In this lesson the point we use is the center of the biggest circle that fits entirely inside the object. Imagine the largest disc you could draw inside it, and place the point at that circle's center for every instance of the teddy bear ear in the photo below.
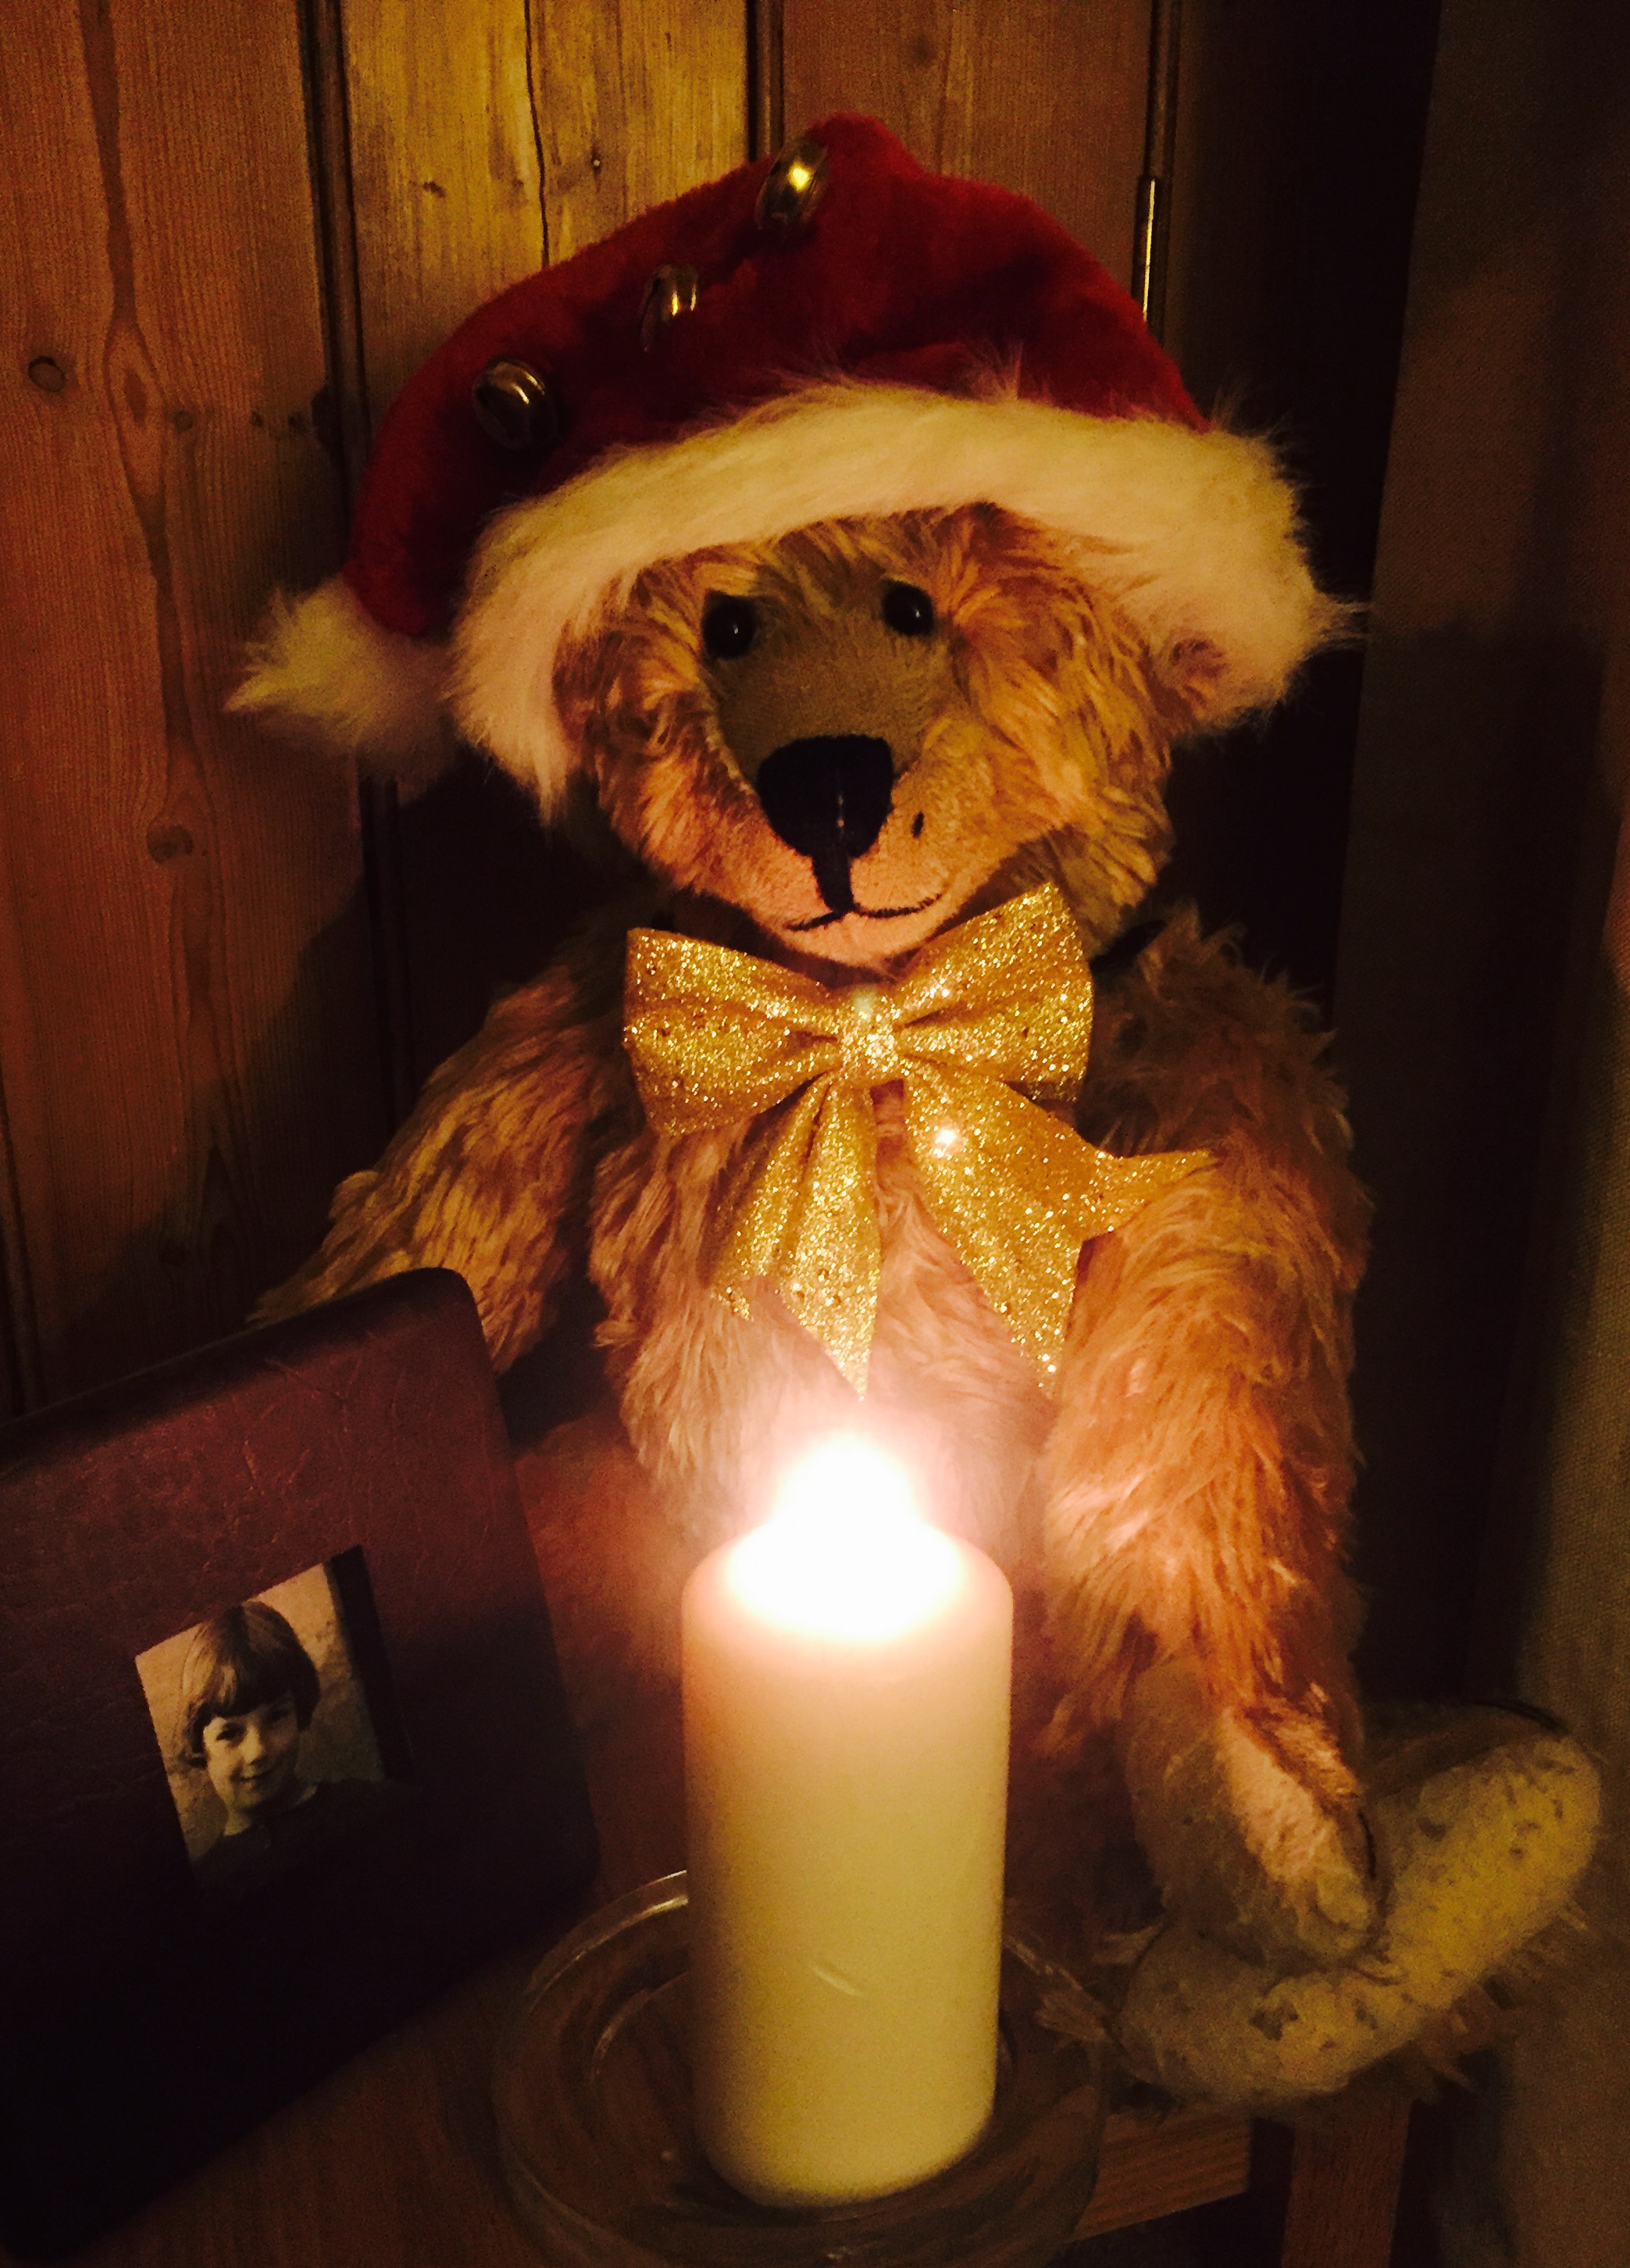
(1212, 684)
(1194, 672)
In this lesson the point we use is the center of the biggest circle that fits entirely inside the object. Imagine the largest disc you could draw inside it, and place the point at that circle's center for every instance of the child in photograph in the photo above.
(248, 1691)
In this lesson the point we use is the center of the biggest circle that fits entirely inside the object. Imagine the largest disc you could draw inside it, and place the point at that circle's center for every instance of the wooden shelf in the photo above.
(1154, 2166)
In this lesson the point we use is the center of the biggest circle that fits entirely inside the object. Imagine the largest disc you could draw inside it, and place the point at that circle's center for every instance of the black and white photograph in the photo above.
(268, 1739)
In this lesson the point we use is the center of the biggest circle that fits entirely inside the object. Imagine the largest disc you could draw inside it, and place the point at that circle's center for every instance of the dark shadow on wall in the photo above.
(1459, 994)
(1297, 167)
(264, 1160)
(487, 898)
(1259, 820)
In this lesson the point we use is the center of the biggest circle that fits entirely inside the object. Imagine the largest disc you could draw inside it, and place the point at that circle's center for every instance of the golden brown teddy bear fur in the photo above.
(1173, 1512)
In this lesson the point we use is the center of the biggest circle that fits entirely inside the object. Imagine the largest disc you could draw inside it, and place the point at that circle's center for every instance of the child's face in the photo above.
(251, 1757)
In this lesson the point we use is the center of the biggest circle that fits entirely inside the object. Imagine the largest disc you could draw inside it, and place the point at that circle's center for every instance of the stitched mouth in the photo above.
(866, 913)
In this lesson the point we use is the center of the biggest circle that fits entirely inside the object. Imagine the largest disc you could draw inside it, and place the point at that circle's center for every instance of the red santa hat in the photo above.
(839, 333)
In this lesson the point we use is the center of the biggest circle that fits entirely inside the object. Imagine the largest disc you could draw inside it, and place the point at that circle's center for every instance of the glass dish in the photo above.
(591, 2092)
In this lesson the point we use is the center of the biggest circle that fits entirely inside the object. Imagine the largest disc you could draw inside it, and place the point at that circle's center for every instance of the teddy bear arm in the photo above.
(489, 1175)
(1196, 1481)
(1196, 1472)
(1202, 1418)
(1197, 1477)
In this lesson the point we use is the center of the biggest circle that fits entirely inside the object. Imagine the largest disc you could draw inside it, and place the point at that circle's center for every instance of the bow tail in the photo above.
(804, 1219)
(1017, 1194)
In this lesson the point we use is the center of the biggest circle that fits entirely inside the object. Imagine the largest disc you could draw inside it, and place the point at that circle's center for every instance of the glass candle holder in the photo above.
(592, 2098)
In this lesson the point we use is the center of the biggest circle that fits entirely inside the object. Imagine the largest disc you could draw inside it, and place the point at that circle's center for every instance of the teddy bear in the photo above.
(839, 536)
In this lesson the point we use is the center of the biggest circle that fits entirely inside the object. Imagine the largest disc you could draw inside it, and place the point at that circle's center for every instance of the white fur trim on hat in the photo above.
(1194, 534)
(324, 670)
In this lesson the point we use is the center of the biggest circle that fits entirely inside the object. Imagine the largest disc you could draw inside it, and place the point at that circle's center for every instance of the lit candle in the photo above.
(847, 1674)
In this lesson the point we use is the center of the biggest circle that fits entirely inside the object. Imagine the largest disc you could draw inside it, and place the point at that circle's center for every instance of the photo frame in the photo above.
(155, 1999)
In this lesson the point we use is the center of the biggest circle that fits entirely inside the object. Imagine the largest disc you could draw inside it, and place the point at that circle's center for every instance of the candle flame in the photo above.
(846, 1554)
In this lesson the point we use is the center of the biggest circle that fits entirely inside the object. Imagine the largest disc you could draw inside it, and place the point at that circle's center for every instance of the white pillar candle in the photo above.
(847, 1679)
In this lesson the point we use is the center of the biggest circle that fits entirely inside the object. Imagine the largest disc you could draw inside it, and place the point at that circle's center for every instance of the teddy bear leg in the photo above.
(1486, 1822)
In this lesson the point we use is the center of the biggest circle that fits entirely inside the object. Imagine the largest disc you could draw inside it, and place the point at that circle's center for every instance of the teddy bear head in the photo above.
(858, 732)
(842, 528)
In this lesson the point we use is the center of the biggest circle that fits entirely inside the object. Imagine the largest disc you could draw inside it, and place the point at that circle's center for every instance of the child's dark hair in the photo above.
(242, 1660)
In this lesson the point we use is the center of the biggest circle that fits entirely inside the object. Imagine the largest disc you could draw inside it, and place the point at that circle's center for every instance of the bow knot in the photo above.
(990, 1024)
(870, 1052)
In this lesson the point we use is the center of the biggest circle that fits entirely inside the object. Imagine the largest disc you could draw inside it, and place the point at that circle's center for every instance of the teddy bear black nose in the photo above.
(828, 797)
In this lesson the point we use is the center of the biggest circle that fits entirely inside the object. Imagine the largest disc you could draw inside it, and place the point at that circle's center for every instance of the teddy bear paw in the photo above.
(1484, 1829)
(1244, 1850)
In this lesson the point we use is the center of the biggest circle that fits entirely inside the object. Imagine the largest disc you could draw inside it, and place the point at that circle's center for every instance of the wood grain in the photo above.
(446, 171)
(486, 136)
(185, 1040)
(637, 101)
(1151, 2167)
(1044, 96)
(1346, 2167)
(21, 1381)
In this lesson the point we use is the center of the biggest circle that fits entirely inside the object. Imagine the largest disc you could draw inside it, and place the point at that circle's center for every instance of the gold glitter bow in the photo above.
(996, 1010)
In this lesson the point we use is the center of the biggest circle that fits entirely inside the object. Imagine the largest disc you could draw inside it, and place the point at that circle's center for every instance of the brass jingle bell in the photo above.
(671, 293)
(794, 187)
(515, 406)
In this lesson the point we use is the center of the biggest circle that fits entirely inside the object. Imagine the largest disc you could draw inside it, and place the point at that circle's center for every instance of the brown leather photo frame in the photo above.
(147, 2018)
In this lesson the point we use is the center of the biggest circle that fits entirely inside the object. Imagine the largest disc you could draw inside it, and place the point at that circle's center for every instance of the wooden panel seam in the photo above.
(21, 1354)
(766, 98)
(1153, 240)
(349, 439)
(537, 127)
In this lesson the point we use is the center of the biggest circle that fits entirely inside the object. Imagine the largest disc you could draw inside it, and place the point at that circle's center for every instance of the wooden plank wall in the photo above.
(184, 1006)
(1042, 97)
(231, 229)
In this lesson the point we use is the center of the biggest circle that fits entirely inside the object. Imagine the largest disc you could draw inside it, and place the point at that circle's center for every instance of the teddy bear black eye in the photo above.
(728, 627)
(907, 610)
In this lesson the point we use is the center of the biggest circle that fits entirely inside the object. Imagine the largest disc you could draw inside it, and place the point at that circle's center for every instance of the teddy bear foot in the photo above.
(1483, 1854)
(1246, 1852)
